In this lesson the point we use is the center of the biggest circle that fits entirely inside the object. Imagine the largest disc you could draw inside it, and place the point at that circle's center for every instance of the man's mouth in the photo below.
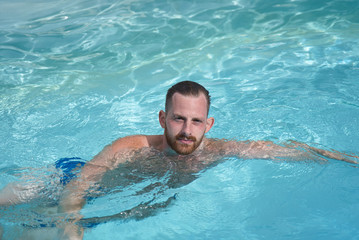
(185, 140)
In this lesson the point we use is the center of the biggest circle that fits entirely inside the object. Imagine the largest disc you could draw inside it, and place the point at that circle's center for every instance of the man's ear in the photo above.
(209, 123)
(162, 118)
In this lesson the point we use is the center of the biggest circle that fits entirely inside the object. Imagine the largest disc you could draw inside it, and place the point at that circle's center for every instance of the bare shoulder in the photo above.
(135, 142)
(119, 151)
(130, 142)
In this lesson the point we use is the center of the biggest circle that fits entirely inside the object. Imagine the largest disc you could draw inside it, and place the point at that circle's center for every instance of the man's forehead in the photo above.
(184, 103)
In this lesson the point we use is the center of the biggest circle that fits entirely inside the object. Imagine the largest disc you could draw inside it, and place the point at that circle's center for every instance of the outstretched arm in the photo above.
(333, 154)
(289, 151)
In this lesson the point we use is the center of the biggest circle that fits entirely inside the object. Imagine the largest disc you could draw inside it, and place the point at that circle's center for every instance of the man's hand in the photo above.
(334, 154)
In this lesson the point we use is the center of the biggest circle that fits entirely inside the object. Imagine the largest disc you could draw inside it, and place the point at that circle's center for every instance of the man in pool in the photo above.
(185, 122)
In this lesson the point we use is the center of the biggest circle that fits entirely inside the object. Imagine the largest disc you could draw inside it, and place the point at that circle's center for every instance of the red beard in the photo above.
(182, 148)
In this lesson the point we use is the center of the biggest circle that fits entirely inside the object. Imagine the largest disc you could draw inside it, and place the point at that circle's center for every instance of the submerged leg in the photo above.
(16, 193)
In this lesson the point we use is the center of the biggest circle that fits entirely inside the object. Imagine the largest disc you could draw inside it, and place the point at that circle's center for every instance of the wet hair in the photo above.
(187, 88)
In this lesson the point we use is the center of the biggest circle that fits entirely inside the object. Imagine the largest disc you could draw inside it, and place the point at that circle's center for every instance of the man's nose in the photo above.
(186, 128)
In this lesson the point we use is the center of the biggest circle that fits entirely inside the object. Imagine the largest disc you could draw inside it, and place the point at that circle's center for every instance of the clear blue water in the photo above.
(75, 75)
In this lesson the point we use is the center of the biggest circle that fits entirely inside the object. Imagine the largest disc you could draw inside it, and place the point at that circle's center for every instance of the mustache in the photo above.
(186, 137)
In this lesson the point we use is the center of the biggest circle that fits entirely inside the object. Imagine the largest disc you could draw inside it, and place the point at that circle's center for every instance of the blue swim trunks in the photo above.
(70, 167)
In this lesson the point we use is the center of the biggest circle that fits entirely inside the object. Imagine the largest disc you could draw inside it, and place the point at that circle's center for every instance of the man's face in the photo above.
(186, 122)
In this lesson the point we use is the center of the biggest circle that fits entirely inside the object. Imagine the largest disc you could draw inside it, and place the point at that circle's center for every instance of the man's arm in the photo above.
(112, 155)
(289, 151)
(73, 198)
(333, 154)
(75, 192)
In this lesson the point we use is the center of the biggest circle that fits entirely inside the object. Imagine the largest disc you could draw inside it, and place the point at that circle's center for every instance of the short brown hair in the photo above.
(187, 88)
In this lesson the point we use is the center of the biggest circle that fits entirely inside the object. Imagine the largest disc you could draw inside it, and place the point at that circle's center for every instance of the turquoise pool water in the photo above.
(75, 75)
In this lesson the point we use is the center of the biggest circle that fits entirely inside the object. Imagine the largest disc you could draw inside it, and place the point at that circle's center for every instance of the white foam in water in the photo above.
(76, 75)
